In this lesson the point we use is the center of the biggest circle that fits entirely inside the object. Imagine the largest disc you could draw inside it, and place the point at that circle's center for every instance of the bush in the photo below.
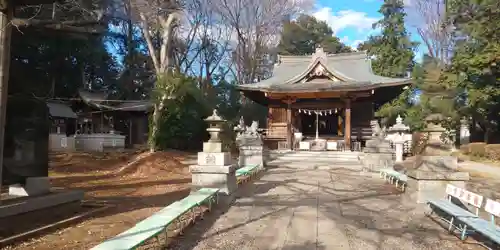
(493, 151)
(477, 149)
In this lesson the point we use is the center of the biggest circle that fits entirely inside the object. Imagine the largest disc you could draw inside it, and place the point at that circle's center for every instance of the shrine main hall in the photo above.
(321, 98)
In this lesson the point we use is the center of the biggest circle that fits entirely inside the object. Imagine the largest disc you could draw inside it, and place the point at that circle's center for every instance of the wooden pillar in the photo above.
(347, 122)
(289, 132)
(130, 132)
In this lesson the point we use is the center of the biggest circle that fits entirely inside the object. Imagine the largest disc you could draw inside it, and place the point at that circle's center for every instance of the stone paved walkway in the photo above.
(292, 209)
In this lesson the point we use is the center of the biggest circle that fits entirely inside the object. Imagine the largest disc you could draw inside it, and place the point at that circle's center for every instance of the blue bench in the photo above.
(156, 224)
(246, 171)
(454, 212)
(489, 229)
(394, 177)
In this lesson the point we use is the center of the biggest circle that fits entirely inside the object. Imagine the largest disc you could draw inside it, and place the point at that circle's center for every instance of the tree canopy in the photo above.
(392, 54)
(303, 35)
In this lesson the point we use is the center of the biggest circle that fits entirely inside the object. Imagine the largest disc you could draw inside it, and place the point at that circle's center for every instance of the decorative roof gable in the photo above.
(343, 71)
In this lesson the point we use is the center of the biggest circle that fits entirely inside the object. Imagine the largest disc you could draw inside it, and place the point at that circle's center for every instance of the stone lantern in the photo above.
(215, 126)
(215, 168)
(399, 139)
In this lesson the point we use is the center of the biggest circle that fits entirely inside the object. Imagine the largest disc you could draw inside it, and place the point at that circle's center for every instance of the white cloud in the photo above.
(354, 44)
(348, 19)
(345, 19)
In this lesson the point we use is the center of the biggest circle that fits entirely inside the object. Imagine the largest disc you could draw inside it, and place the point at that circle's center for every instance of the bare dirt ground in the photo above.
(135, 183)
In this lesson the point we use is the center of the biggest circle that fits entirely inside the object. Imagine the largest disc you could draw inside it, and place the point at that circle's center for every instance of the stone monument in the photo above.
(431, 171)
(215, 168)
(378, 153)
(250, 145)
(399, 139)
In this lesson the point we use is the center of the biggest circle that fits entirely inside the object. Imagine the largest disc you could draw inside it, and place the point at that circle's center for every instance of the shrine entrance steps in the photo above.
(316, 159)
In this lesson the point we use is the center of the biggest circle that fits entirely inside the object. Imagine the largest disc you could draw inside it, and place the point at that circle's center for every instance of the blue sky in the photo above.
(352, 20)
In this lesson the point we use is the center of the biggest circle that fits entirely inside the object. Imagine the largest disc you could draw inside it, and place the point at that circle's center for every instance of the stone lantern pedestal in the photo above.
(431, 171)
(250, 145)
(377, 153)
(215, 168)
(428, 176)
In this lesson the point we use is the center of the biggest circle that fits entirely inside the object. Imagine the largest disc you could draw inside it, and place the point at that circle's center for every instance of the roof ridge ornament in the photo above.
(319, 54)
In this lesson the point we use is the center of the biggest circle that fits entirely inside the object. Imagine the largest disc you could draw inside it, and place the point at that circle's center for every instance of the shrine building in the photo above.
(327, 97)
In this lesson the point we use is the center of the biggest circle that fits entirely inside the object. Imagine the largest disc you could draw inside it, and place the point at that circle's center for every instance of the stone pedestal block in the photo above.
(373, 162)
(34, 186)
(428, 177)
(214, 158)
(436, 163)
(251, 155)
(421, 190)
(318, 145)
(222, 177)
(251, 149)
(304, 145)
(214, 147)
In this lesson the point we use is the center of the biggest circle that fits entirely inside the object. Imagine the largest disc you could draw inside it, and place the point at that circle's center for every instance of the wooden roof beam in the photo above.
(89, 27)
(33, 2)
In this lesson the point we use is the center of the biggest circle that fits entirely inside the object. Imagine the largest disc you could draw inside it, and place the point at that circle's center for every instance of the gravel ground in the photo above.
(292, 209)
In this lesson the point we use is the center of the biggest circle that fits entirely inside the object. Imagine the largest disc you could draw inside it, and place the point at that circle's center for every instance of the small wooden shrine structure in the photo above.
(98, 114)
(340, 88)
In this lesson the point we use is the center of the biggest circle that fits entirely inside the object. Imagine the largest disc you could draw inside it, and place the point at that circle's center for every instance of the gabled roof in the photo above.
(99, 100)
(62, 110)
(343, 71)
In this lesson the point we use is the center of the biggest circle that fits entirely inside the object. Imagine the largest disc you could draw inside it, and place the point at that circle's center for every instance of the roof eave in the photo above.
(333, 88)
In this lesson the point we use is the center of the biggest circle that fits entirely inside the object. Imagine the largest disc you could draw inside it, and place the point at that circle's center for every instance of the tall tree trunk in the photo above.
(5, 34)
(161, 62)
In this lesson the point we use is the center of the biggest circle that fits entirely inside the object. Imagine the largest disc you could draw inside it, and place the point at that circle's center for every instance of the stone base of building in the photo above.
(14, 206)
(34, 186)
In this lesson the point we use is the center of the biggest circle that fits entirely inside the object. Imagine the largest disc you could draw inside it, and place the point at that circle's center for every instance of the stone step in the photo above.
(316, 152)
(314, 161)
(318, 165)
(312, 156)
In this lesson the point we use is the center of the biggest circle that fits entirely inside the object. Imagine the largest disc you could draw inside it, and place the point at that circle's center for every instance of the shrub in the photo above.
(477, 149)
(493, 151)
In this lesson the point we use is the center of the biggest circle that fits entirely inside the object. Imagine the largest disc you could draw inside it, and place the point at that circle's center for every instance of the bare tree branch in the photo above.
(429, 17)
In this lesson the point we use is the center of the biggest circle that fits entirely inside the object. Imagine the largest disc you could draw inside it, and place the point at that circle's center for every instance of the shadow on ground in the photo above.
(366, 208)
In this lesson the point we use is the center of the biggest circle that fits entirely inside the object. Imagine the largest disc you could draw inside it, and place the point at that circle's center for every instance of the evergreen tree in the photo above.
(393, 54)
(304, 35)
(393, 49)
(476, 60)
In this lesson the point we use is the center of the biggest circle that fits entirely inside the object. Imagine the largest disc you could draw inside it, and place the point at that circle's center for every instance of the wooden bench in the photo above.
(154, 225)
(487, 228)
(245, 172)
(394, 177)
(453, 211)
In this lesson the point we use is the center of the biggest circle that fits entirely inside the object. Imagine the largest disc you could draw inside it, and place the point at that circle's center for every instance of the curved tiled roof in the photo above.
(99, 100)
(352, 69)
